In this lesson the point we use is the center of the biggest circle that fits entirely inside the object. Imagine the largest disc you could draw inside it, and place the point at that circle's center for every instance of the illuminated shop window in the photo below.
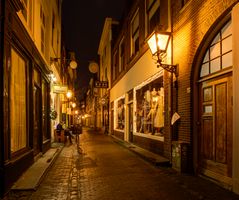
(18, 102)
(219, 53)
(150, 108)
(120, 114)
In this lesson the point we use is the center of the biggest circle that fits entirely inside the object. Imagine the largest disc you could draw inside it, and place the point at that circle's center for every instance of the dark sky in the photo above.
(83, 22)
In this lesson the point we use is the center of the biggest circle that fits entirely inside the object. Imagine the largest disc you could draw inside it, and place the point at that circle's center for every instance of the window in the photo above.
(153, 14)
(121, 55)
(150, 107)
(28, 13)
(18, 102)
(43, 30)
(120, 114)
(184, 2)
(115, 63)
(219, 53)
(135, 34)
(53, 29)
(44, 109)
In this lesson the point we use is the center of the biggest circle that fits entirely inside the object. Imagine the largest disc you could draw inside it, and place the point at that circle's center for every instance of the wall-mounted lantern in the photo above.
(158, 43)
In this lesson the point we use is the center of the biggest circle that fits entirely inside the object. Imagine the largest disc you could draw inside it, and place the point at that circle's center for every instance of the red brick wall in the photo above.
(190, 25)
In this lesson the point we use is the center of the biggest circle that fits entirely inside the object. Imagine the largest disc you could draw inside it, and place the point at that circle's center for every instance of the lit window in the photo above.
(18, 102)
(219, 53)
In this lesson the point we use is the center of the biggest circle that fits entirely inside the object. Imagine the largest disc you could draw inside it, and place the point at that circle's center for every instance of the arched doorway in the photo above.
(213, 107)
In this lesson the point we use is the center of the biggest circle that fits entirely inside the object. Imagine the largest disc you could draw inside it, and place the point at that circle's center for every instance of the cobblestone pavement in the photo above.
(104, 170)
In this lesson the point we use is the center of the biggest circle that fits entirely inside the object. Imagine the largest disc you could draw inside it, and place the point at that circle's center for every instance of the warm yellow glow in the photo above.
(73, 105)
(152, 44)
(73, 64)
(69, 94)
(76, 112)
(161, 42)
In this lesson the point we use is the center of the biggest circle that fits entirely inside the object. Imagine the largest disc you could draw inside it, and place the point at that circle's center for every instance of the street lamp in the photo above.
(158, 43)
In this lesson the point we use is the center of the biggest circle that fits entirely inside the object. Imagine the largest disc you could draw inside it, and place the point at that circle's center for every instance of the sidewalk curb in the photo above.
(31, 179)
(149, 156)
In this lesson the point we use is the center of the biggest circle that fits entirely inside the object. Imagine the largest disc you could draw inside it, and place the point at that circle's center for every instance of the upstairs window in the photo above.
(114, 65)
(153, 14)
(27, 13)
(184, 2)
(219, 53)
(135, 34)
(121, 55)
(43, 30)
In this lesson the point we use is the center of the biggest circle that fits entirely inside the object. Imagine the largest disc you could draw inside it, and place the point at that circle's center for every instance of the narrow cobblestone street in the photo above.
(104, 170)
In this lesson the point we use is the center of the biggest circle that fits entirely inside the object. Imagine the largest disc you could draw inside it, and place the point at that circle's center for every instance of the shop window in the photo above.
(219, 53)
(120, 114)
(18, 104)
(150, 108)
(135, 34)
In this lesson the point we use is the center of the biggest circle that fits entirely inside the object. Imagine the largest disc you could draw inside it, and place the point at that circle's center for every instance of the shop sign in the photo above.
(61, 89)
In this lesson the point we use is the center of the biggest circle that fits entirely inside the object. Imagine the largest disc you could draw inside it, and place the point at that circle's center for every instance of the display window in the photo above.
(150, 107)
(120, 114)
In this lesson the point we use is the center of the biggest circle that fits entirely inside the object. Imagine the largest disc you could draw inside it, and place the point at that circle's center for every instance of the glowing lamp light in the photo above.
(69, 94)
(158, 42)
(73, 64)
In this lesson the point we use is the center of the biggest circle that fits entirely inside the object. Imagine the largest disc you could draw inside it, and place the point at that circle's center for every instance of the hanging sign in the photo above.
(101, 84)
(61, 89)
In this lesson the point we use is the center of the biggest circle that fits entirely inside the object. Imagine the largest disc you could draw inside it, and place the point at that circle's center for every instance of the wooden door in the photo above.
(215, 138)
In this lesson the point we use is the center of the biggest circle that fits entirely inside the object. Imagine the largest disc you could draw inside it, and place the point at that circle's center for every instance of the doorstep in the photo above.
(32, 177)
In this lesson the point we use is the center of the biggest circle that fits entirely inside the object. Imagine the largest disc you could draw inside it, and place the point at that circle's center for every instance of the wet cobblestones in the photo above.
(104, 170)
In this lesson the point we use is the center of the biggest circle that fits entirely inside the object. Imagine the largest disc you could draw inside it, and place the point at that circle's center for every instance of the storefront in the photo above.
(139, 112)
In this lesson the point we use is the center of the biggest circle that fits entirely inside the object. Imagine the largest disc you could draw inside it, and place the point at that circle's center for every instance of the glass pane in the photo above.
(208, 109)
(206, 58)
(215, 51)
(215, 65)
(204, 70)
(226, 44)
(207, 94)
(18, 102)
(227, 60)
(227, 30)
(216, 39)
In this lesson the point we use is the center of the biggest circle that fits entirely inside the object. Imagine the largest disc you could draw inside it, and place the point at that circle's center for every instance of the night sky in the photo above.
(82, 22)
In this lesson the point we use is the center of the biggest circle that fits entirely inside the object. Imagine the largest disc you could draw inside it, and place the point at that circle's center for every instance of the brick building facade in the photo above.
(203, 45)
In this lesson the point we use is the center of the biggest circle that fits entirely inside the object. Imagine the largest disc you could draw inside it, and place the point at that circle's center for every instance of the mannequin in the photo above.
(159, 117)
